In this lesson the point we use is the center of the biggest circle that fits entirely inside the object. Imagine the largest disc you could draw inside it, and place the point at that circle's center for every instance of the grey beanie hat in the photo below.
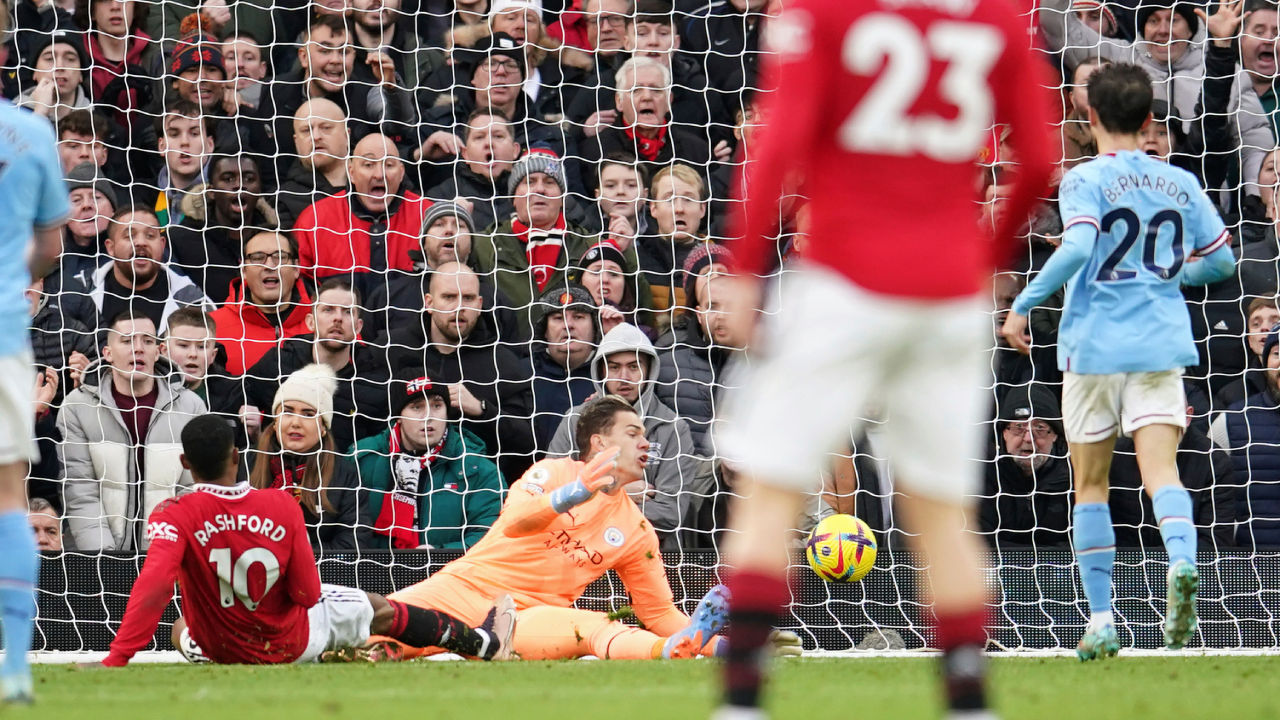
(446, 208)
(537, 160)
(86, 175)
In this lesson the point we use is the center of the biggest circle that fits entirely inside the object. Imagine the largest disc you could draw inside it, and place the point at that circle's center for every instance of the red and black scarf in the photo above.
(648, 148)
(398, 517)
(542, 248)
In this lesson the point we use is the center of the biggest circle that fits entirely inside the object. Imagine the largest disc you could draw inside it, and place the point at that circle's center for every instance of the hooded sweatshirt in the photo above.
(672, 466)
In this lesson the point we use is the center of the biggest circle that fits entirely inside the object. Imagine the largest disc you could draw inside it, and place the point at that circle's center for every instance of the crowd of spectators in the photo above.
(399, 248)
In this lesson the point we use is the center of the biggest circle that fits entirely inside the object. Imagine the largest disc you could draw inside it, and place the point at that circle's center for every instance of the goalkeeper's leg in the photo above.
(555, 633)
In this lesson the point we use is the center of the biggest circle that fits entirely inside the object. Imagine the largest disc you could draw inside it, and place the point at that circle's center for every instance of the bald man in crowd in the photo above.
(323, 140)
(488, 383)
(366, 235)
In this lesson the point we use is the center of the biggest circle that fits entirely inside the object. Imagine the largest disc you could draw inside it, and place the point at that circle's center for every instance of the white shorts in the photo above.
(17, 421)
(340, 620)
(1094, 407)
(830, 347)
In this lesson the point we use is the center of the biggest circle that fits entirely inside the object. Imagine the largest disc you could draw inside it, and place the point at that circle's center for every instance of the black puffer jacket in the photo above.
(55, 335)
(1021, 510)
(301, 189)
(491, 372)
(399, 302)
(360, 404)
(690, 377)
(489, 199)
(1204, 470)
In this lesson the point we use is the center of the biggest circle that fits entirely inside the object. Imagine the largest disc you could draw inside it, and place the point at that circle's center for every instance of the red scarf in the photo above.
(542, 248)
(648, 148)
(288, 478)
(399, 517)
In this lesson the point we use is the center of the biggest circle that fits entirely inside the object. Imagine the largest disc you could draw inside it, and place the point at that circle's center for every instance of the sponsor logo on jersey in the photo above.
(613, 536)
(161, 531)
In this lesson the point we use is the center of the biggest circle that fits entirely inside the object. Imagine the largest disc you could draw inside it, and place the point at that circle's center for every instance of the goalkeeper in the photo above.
(564, 525)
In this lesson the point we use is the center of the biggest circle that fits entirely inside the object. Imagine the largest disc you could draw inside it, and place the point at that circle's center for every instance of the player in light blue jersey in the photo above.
(1137, 229)
(33, 208)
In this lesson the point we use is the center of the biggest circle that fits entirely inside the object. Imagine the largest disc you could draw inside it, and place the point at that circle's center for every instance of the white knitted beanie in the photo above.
(313, 385)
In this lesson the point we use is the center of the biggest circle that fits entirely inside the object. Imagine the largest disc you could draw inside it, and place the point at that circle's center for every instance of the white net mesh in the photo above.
(297, 160)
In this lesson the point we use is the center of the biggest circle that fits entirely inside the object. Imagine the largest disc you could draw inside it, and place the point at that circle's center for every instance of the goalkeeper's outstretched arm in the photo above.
(531, 514)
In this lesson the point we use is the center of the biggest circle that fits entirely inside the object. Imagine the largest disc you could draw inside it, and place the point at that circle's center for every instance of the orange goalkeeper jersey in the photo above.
(554, 565)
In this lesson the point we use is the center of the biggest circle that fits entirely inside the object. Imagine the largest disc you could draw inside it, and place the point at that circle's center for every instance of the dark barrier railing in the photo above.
(82, 597)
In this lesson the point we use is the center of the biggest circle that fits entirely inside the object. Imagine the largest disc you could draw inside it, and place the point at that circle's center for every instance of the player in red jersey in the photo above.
(251, 592)
(878, 113)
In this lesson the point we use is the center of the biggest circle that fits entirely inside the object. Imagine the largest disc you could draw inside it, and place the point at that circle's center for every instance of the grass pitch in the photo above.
(810, 689)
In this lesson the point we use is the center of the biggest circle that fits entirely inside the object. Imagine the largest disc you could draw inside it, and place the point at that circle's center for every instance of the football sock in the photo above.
(962, 637)
(1172, 504)
(755, 608)
(421, 627)
(19, 564)
(1095, 540)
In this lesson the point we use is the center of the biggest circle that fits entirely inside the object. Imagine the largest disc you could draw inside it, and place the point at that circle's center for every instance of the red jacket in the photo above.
(571, 28)
(333, 240)
(247, 334)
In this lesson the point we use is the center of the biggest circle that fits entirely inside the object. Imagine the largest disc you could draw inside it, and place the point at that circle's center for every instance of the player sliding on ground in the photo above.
(565, 524)
(250, 589)
(1136, 229)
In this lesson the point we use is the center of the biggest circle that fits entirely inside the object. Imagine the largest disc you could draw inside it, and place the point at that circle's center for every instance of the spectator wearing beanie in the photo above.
(1028, 476)
(602, 271)
(296, 454)
(563, 344)
(529, 253)
(197, 73)
(697, 349)
(1163, 48)
(447, 236)
(53, 93)
(428, 481)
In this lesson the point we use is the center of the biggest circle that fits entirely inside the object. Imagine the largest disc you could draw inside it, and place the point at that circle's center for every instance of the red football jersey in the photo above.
(245, 568)
(878, 113)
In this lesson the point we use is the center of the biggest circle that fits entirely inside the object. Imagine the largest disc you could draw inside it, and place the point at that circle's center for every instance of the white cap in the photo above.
(505, 6)
(313, 385)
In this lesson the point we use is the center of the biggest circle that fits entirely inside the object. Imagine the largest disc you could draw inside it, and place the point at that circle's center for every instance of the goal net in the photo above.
(291, 168)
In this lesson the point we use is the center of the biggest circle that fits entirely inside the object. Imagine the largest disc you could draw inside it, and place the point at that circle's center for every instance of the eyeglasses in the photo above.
(275, 258)
(611, 19)
(494, 64)
(1039, 429)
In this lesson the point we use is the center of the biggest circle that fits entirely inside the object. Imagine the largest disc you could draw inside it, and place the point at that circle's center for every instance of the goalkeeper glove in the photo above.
(593, 477)
(783, 643)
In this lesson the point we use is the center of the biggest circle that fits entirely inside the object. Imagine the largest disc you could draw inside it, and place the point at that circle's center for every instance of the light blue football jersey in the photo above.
(1124, 309)
(33, 195)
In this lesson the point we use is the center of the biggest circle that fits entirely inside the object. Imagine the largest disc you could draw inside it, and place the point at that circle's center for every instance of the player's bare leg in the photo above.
(1095, 540)
(1157, 450)
(954, 582)
(19, 565)
(420, 627)
(757, 551)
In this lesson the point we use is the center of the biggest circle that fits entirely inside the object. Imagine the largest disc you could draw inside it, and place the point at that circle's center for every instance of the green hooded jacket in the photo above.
(460, 495)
